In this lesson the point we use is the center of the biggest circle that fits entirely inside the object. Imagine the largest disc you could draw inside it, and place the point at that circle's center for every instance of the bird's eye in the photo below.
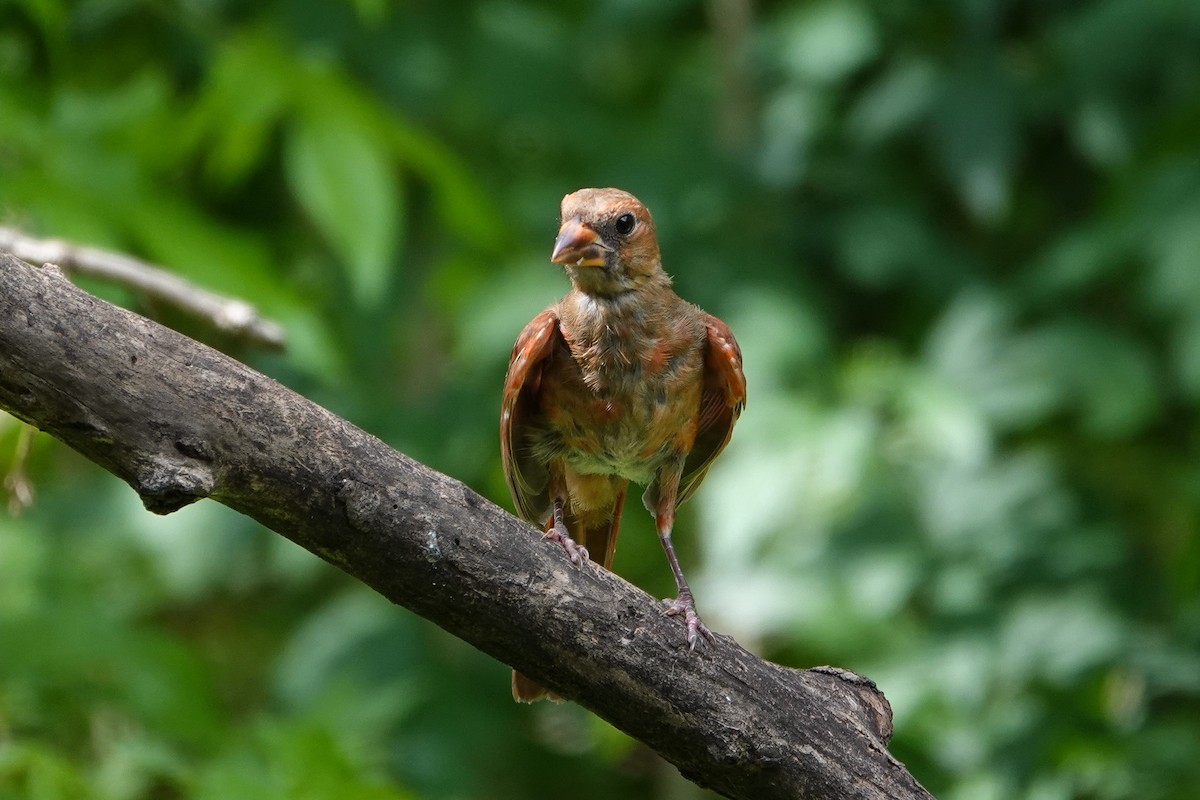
(625, 223)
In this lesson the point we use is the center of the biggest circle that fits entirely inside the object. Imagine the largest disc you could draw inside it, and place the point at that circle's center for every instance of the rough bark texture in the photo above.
(179, 422)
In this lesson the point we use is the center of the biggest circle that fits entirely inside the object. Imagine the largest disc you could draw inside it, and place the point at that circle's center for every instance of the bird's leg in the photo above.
(682, 605)
(556, 529)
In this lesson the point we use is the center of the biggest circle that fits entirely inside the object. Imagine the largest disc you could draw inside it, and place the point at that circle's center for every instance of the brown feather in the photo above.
(721, 403)
(525, 474)
(619, 381)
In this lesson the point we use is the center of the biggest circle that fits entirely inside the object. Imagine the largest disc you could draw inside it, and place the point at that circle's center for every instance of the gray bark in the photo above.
(179, 422)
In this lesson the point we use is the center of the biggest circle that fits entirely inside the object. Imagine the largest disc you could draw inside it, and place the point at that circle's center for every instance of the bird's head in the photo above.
(606, 242)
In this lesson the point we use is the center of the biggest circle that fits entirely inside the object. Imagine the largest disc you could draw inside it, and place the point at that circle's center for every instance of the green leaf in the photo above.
(975, 136)
(1108, 377)
(825, 42)
(461, 201)
(344, 179)
(1186, 352)
(32, 771)
(248, 88)
(894, 102)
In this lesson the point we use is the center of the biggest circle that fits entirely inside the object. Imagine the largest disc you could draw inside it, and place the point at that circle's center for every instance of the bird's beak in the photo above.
(578, 245)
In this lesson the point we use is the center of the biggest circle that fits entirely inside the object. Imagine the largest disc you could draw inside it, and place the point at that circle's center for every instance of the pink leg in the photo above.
(684, 604)
(556, 529)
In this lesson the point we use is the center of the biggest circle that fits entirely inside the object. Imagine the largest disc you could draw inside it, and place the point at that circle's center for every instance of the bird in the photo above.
(621, 380)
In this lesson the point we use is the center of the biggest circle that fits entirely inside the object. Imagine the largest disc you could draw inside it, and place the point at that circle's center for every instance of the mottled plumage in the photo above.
(621, 380)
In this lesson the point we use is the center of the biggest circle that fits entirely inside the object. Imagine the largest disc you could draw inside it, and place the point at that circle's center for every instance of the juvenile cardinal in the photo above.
(621, 380)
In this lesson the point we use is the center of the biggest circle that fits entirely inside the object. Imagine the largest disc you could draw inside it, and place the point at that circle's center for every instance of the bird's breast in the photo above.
(624, 409)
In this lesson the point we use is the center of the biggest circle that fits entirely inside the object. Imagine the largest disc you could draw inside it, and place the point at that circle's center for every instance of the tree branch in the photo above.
(179, 421)
(226, 314)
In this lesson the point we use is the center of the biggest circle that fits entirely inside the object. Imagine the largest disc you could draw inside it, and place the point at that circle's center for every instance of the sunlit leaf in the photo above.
(1110, 379)
(826, 41)
(791, 120)
(1058, 637)
(973, 347)
(1102, 133)
(243, 99)
(345, 180)
(895, 102)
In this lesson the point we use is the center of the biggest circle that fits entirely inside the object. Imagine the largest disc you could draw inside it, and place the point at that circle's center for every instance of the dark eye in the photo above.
(625, 223)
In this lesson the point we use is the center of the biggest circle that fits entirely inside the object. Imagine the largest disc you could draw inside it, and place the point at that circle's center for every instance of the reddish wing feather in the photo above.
(722, 401)
(526, 478)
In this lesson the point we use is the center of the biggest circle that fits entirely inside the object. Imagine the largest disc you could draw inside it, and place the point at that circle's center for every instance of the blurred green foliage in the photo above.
(959, 242)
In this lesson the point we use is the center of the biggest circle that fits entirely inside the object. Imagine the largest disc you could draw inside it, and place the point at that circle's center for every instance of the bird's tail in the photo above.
(598, 534)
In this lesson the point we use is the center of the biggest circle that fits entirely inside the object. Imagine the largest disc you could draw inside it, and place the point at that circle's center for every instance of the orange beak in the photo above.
(578, 245)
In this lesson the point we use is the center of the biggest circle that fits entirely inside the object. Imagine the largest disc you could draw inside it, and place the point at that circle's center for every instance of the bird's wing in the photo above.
(722, 400)
(527, 479)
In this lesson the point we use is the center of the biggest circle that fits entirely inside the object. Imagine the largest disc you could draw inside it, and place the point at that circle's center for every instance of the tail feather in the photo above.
(526, 690)
(597, 533)
(600, 536)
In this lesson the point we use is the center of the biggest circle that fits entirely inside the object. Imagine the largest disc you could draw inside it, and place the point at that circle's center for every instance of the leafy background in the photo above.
(959, 242)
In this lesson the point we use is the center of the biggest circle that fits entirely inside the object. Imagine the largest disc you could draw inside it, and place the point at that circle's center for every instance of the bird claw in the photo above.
(577, 553)
(685, 606)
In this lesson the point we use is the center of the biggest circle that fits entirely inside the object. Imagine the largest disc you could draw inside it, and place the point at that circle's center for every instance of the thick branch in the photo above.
(179, 421)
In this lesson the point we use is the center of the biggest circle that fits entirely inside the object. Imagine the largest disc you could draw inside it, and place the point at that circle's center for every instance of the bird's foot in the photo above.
(556, 529)
(685, 606)
(577, 553)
